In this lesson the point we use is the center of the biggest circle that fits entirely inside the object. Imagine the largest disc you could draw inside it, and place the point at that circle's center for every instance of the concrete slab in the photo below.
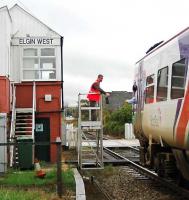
(80, 187)
(121, 143)
(115, 143)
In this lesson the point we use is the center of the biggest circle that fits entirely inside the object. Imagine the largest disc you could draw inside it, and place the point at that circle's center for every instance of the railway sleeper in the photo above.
(165, 165)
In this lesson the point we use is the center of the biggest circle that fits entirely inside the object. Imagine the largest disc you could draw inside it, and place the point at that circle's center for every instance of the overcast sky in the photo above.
(106, 36)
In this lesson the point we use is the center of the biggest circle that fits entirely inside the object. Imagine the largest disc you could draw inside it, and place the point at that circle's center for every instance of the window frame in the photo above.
(183, 77)
(150, 85)
(39, 69)
(158, 98)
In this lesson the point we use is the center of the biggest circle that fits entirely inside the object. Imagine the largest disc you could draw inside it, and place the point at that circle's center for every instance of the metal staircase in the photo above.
(22, 125)
(90, 135)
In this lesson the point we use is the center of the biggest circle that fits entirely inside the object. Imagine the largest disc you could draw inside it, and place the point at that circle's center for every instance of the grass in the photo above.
(68, 179)
(106, 172)
(12, 194)
(15, 184)
(27, 178)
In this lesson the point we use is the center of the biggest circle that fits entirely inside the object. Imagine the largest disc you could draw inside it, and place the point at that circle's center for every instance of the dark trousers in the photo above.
(93, 112)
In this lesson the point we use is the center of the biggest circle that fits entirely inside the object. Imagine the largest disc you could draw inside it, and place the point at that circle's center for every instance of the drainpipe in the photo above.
(61, 52)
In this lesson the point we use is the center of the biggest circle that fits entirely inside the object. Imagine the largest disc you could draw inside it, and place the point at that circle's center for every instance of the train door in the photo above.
(140, 97)
(42, 134)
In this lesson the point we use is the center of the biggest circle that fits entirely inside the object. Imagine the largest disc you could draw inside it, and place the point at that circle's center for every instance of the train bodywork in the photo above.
(161, 115)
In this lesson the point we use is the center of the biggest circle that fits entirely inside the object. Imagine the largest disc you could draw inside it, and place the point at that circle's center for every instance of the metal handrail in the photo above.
(13, 112)
(33, 109)
(13, 116)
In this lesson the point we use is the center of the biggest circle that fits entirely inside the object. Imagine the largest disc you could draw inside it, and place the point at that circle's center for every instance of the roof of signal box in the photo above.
(43, 24)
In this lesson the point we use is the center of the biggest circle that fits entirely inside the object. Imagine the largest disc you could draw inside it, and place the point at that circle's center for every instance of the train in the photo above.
(161, 112)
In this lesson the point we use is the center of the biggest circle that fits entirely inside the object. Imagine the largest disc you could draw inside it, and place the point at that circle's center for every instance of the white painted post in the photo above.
(129, 131)
(126, 131)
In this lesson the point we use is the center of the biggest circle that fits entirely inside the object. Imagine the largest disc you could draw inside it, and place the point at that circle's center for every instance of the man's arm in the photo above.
(97, 87)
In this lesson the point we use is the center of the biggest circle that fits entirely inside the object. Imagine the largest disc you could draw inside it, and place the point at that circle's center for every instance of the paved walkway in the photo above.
(121, 143)
(116, 143)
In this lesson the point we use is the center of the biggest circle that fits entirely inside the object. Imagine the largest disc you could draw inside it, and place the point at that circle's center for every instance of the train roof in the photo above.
(164, 43)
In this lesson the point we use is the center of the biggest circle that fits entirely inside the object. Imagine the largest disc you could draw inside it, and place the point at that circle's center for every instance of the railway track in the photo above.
(141, 173)
(131, 175)
(129, 152)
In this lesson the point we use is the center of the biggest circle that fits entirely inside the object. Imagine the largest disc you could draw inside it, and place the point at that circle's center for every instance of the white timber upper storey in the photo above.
(31, 50)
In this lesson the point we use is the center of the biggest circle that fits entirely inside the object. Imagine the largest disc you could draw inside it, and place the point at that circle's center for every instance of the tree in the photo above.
(114, 122)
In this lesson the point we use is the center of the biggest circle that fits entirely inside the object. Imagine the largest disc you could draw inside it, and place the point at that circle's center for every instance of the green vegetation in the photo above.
(13, 194)
(28, 178)
(24, 185)
(68, 179)
(114, 121)
(106, 172)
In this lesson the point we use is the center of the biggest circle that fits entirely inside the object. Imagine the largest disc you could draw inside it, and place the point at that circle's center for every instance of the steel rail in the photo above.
(152, 175)
(102, 190)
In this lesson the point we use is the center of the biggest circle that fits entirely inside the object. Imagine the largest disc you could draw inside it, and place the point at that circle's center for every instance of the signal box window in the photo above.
(162, 83)
(149, 89)
(178, 79)
(39, 64)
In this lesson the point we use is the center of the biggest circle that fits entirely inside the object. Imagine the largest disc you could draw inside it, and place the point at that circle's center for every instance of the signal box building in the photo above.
(31, 81)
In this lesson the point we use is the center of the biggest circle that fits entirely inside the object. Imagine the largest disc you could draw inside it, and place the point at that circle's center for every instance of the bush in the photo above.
(114, 123)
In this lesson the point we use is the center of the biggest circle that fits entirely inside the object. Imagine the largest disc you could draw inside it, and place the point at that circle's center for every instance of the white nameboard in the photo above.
(32, 41)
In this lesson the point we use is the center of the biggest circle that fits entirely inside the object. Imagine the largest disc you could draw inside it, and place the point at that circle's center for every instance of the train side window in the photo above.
(162, 84)
(149, 98)
(178, 79)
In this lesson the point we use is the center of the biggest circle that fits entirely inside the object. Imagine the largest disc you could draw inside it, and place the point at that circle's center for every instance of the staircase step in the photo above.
(23, 127)
(23, 123)
(22, 131)
(24, 134)
(24, 113)
(29, 136)
(24, 110)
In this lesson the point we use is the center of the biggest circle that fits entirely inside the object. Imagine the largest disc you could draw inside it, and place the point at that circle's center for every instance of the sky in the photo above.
(106, 36)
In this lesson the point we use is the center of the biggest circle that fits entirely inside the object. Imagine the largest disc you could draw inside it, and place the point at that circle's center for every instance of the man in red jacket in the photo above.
(94, 94)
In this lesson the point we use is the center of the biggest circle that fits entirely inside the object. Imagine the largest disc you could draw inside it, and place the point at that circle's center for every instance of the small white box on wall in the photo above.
(48, 97)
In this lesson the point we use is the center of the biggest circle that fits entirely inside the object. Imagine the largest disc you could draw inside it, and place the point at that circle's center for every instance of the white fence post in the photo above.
(71, 136)
(129, 131)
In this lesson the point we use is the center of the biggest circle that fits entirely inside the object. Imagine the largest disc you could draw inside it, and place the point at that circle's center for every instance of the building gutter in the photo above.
(62, 81)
